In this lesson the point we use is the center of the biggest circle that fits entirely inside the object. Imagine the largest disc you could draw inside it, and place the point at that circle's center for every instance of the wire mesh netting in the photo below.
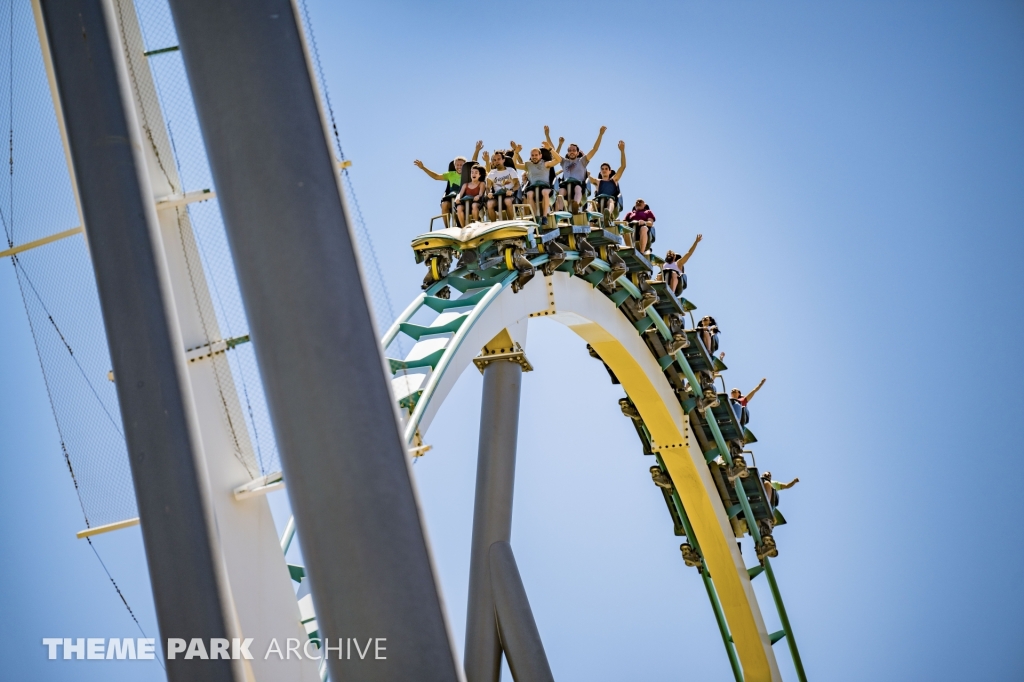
(169, 126)
(374, 277)
(57, 282)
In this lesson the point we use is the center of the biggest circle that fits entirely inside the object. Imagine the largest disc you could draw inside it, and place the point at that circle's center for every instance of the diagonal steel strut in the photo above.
(314, 337)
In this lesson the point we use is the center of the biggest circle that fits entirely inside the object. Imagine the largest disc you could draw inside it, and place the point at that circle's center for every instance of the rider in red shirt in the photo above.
(643, 219)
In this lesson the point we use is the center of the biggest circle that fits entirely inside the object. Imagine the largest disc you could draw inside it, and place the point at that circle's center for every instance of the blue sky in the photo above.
(856, 171)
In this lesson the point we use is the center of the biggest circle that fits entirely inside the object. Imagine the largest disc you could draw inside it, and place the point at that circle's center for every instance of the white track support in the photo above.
(261, 587)
(592, 315)
(259, 579)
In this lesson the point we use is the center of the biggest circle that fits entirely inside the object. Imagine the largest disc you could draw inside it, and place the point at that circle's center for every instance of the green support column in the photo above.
(756, 534)
(730, 649)
(705, 575)
(777, 596)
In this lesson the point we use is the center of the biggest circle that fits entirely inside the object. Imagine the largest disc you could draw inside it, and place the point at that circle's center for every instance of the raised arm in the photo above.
(555, 157)
(517, 161)
(597, 144)
(785, 486)
(547, 136)
(622, 161)
(686, 257)
(476, 150)
(561, 141)
(432, 174)
(487, 161)
(756, 389)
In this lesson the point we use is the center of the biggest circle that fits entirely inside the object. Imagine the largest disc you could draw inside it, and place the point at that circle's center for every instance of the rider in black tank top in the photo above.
(607, 185)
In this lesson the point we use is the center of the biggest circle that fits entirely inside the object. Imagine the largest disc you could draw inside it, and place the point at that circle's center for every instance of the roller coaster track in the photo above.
(488, 305)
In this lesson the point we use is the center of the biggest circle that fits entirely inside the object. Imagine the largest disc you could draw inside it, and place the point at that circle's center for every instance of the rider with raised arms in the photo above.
(574, 170)
(674, 269)
(538, 189)
(453, 177)
(606, 184)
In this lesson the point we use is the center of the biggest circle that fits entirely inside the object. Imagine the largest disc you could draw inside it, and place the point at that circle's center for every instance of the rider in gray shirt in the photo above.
(537, 176)
(574, 171)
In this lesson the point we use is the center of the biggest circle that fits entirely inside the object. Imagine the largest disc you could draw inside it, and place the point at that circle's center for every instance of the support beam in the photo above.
(519, 635)
(178, 200)
(784, 617)
(28, 246)
(289, 535)
(492, 512)
(261, 587)
(343, 457)
(107, 528)
(189, 585)
(723, 628)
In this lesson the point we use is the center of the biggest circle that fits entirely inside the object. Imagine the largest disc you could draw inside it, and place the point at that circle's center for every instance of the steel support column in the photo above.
(492, 512)
(189, 586)
(519, 635)
(314, 337)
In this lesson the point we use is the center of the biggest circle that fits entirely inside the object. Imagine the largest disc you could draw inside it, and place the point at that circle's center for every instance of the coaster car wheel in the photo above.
(587, 254)
(629, 409)
(661, 479)
(618, 266)
(514, 257)
(690, 556)
(438, 264)
(738, 469)
(556, 256)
